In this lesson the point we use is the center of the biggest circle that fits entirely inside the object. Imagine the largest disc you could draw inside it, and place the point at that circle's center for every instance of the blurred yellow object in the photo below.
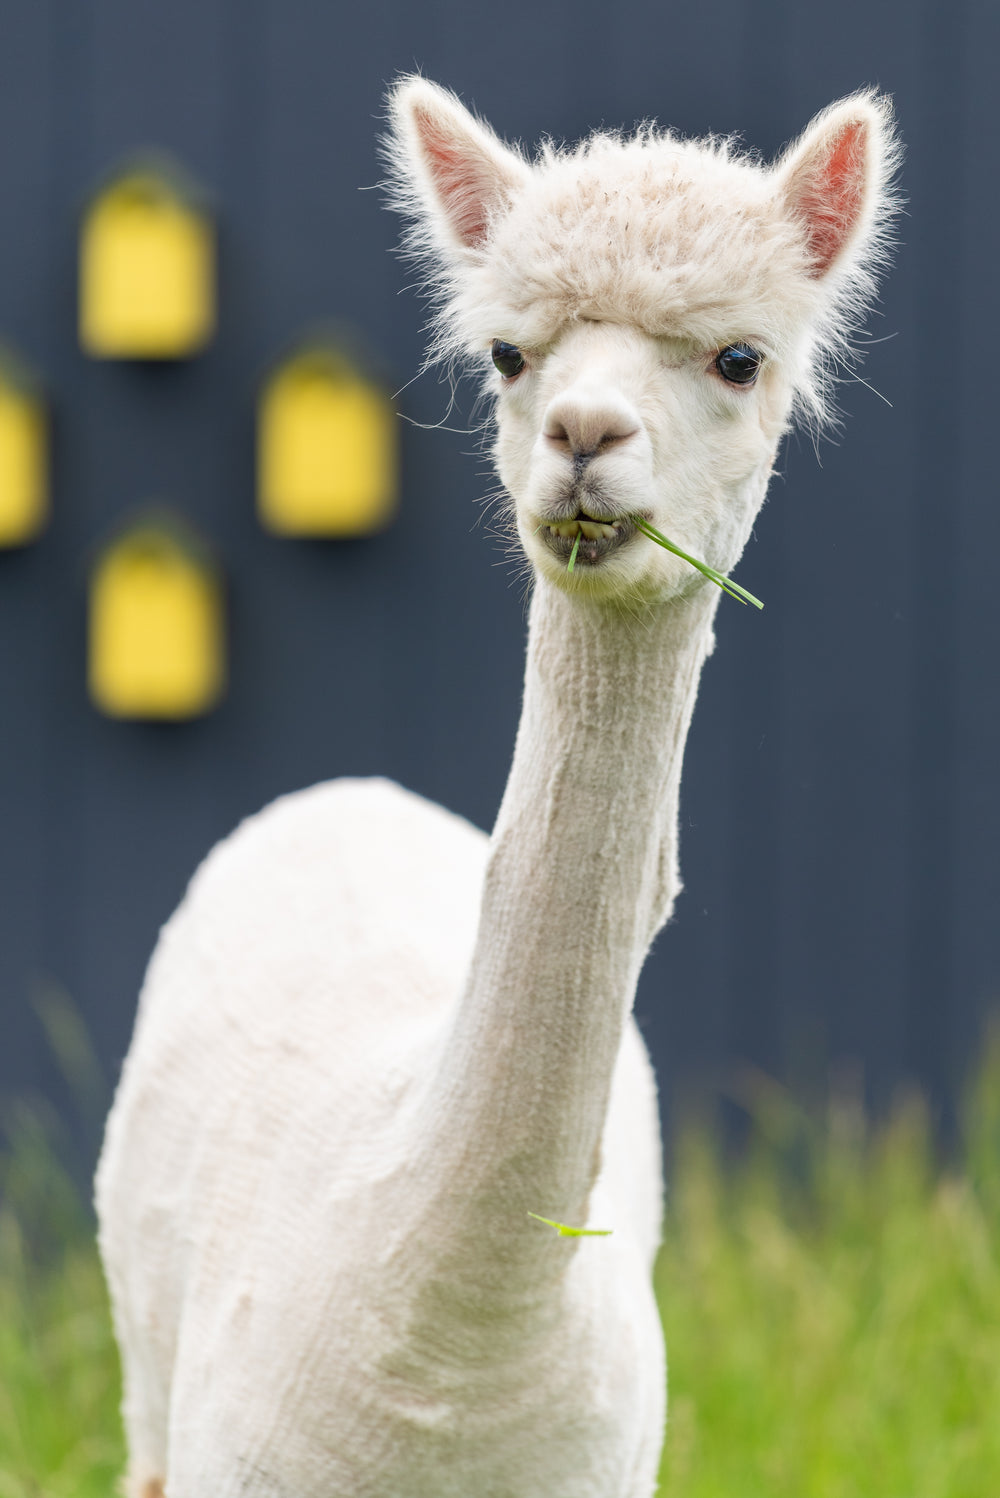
(147, 270)
(327, 462)
(24, 466)
(157, 635)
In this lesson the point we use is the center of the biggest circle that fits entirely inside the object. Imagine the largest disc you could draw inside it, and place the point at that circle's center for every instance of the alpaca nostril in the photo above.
(588, 428)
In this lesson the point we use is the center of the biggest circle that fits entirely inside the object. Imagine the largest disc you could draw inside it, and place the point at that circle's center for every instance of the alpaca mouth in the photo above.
(592, 540)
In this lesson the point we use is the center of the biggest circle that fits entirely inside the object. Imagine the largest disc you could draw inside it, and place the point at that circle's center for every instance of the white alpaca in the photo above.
(371, 1042)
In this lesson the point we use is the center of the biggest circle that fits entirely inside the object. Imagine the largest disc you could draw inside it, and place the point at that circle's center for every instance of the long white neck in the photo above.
(582, 872)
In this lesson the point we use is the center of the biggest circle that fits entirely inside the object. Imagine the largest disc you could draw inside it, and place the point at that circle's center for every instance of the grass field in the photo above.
(832, 1308)
(832, 1305)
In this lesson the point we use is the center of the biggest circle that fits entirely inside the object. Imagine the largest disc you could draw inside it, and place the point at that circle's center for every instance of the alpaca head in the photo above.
(649, 311)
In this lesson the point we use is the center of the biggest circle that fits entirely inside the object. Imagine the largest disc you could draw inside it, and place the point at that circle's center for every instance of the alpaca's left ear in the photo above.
(450, 170)
(834, 180)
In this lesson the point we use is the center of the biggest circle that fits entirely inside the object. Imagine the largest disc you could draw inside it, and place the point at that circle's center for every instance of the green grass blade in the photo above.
(572, 556)
(725, 583)
(567, 1232)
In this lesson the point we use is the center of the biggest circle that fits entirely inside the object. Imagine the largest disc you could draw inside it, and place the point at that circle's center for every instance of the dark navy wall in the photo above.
(840, 807)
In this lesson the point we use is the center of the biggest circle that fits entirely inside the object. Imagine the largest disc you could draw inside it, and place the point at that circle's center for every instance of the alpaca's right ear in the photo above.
(460, 174)
(835, 182)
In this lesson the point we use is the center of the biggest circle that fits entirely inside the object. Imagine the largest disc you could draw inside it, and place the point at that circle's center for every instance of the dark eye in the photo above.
(508, 359)
(739, 364)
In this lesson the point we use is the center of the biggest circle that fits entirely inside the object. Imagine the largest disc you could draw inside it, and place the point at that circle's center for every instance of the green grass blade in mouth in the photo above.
(572, 556)
(725, 583)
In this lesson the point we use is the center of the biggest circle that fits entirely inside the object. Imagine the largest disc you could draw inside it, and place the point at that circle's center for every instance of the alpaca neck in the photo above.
(582, 872)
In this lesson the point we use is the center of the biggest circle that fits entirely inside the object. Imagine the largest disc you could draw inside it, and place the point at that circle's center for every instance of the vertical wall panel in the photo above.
(843, 721)
(938, 205)
(972, 900)
(25, 274)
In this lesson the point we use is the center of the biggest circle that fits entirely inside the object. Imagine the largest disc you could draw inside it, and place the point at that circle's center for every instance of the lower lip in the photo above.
(589, 553)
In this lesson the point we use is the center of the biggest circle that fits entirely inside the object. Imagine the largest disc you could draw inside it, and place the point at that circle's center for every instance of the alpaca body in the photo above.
(372, 1044)
(311, 1079)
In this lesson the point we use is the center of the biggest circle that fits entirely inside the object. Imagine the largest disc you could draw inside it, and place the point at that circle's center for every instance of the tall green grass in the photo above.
(832, 1306)
(59, 1431)
(831, 1301)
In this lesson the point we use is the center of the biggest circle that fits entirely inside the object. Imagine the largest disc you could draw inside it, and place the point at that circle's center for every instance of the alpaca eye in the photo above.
(508, 359)
(739, 364)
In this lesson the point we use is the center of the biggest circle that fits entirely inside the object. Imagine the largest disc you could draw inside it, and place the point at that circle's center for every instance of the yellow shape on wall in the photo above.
(24, 467)
(147, 269)
(327, 450)
(157, 634)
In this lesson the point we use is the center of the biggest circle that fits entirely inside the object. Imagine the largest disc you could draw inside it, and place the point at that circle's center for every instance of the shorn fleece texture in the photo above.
(372, 1041)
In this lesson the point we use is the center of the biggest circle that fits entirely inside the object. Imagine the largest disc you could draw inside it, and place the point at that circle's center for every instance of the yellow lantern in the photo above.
(24, 476)
(157, 634)
(327, 450)
(147, 269)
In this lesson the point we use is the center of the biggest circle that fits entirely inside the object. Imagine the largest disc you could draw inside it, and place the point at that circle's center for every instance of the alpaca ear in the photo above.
(834, 180)
(461, 175)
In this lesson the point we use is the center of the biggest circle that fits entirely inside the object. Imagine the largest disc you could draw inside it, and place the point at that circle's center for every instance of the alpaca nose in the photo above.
(589, 422)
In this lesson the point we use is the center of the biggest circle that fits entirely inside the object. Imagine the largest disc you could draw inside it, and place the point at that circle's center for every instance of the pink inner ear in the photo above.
(831, 196)
(458, 182)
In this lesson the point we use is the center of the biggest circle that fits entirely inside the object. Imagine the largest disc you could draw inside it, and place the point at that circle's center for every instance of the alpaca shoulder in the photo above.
(298, 983)
(344, 894)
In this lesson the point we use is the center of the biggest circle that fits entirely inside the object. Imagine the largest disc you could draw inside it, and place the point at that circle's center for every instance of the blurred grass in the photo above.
(832, 1306)
(59, 1431)
(831, 1301)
